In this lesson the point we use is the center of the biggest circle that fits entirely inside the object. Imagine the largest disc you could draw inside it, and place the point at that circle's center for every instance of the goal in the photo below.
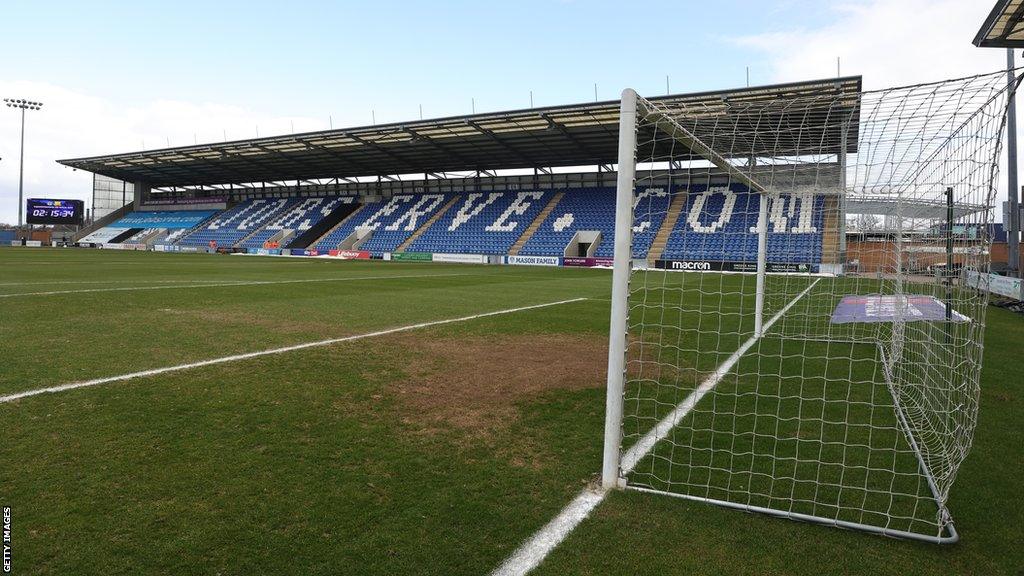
(799, 339)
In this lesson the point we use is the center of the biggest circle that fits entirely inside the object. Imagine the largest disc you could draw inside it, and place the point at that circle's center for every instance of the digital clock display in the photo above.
(53, 211)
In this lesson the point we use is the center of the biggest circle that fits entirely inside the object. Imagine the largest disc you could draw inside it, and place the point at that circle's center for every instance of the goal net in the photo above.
(798, 338)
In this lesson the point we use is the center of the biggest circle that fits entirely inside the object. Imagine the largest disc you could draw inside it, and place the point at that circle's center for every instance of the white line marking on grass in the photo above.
(530, 555)
(86, 282)
(231, 283)
(661, 430)
(533, 551)
(283, 349)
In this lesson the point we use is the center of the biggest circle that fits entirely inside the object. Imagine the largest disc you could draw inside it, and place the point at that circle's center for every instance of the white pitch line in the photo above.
(536, 549)
(233, 283)
(644, 446)
(78, 282)
(292, 348)
(531, 554)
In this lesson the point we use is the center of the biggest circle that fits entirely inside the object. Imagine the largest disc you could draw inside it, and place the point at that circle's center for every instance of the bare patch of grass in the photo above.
(475, 383)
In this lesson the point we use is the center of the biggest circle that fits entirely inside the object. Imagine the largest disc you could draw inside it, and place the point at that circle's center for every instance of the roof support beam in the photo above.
(225, 157)
(491, 136)
(430, 141)
(287, 157)
(135, 177)
(334, 154)
(390, 154)
(236, 173)
(565, 132)
(1011, 22)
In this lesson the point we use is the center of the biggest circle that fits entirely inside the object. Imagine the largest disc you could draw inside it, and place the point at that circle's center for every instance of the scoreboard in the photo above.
(53, 211)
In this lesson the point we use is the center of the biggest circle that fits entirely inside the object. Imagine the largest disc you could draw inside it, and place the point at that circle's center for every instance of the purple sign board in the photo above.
(588, 262)
(185, 201)
(911, 308)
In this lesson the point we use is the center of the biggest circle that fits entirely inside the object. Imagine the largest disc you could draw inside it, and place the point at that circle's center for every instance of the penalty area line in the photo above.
(532, 552)
(281, 350)
(143, 282)
(231, 283)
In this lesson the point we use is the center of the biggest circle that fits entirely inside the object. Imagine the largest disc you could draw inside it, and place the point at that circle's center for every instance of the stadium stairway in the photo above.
(830, 235)
(325, 226)
(327, 235)
(102, 222)
(181, 234)
(128, 233)
(152, 235)
(719, 223)
(139, 236)
(267, 219)
(674, 209)
(532, 228)
(430, 222)
(241, 241)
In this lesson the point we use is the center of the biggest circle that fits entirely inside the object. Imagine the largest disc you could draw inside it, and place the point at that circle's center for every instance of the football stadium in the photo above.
(758, 330)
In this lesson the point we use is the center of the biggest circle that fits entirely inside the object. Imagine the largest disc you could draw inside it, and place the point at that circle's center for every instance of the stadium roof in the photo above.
(572, 135)
(1003, 27)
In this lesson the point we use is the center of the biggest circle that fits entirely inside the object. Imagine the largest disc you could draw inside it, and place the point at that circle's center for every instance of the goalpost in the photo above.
(758, 360)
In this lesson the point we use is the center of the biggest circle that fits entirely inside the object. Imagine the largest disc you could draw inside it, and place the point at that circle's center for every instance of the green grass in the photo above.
(319, 461)
(106, 333)
(671, 536)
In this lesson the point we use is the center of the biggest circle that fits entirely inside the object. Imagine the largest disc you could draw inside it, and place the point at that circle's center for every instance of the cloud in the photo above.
(889, 42)
(73, 124)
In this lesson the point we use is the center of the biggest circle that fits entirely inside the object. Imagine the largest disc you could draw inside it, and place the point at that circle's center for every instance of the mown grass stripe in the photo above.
(232, 283)
(281, 350)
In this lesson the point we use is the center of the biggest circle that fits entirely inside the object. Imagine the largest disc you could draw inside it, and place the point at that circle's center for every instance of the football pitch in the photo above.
(303, 416)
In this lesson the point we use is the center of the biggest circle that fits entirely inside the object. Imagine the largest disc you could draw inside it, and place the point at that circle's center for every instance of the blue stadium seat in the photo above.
(720, 225)
(593, 209)
(483, 223)
(239, 221)
(392, 221)
(716, 224)
(298, 216)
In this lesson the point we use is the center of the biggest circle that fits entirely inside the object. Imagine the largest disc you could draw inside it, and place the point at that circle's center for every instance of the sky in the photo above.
(124, 76)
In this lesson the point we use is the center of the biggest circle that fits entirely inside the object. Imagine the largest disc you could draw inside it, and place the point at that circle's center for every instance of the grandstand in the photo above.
(716, 224)
(527, 183)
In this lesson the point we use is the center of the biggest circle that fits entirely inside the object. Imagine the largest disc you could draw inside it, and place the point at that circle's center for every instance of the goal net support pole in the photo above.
(623, 265)
(762, 263)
